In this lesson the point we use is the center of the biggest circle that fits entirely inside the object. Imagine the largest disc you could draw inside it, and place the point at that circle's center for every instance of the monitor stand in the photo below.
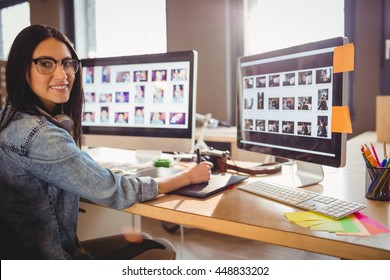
(304, 174)
(296, 173)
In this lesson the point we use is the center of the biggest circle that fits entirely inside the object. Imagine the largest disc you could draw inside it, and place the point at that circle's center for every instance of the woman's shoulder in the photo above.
(28, 134)
(26, 126)
(26, 121)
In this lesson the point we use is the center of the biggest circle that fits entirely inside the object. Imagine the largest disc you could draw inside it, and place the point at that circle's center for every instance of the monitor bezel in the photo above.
(147, 138)
(338, 140)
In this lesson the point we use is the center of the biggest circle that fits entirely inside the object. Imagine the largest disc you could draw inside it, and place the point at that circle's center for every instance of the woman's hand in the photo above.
(199, 173)
(196, 174)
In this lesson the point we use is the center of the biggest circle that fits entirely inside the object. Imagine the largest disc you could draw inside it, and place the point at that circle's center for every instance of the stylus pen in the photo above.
(197, 156)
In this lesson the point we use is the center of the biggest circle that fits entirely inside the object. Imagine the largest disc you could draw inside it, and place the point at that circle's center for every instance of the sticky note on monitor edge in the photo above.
(341, 119)
(344, 58)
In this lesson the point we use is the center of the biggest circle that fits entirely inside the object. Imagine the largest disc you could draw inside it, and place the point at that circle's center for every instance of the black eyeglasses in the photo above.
(47, 65)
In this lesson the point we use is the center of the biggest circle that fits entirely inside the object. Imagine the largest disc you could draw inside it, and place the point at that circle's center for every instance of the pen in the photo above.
(197, 156)
(375, 155)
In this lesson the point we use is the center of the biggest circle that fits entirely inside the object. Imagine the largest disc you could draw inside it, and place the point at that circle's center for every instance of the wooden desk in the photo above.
(238, 213)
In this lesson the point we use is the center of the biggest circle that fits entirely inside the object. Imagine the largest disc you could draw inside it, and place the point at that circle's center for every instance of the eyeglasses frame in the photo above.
(35, 61)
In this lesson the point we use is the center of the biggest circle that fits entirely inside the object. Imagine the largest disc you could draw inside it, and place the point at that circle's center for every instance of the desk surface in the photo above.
(238, 213)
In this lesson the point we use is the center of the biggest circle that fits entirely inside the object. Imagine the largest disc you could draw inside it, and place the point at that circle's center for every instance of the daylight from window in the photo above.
(275, 24)
(129, 27)
(11, 27)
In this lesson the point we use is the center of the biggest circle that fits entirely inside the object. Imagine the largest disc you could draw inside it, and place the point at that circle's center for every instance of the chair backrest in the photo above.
(6, 237)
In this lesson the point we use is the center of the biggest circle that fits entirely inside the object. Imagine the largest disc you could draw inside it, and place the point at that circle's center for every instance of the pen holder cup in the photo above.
(378, 183)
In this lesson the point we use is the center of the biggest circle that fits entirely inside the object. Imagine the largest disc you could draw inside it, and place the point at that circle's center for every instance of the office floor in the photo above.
(204, 245)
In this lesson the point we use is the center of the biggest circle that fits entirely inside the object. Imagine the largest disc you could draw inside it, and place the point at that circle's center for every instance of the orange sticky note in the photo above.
(344, 58)
(341, 119)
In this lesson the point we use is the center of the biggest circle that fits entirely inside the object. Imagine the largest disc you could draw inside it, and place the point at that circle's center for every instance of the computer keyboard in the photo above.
(305, 199)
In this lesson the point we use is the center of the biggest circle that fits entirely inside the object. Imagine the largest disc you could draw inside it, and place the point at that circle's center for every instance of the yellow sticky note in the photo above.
(341, 119)
(344, 58)
(305, 216)
(309, 224)
(332, 226)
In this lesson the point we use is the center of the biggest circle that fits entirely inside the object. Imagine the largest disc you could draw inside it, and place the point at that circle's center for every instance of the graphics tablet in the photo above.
(217, 183)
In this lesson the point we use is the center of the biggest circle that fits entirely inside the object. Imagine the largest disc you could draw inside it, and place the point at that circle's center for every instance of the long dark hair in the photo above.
(20, 97)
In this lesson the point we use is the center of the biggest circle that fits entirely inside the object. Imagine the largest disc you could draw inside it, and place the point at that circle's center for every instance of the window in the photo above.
(11, 27)
(120, 27)
(275, 24)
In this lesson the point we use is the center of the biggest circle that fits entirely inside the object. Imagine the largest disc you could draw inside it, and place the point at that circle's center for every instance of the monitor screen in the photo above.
(285, 100)
(144, 102)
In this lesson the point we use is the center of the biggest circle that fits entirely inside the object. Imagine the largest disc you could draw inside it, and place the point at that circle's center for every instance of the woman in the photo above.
(43, 172)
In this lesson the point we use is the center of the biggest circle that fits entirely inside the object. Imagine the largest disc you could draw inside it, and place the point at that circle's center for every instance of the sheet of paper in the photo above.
(362, 231)
(314, 221)
(357, 224)
(332, 226)
(372, 226)
(305, 216)
(309, 224)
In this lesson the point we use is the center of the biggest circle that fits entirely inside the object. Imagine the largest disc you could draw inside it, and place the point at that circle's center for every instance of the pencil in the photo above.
(369, 156)
(375, 155)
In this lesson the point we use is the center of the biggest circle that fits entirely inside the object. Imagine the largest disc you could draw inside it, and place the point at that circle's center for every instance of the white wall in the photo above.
(201, 25)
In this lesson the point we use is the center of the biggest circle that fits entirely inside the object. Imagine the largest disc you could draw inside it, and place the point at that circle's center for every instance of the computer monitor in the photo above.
(142, 102)
(285, 105)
